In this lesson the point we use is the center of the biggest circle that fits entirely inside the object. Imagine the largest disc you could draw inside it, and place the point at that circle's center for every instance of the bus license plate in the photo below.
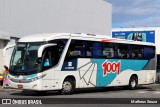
(20, 86)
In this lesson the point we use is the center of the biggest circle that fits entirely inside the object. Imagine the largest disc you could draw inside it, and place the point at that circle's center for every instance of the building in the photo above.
(5, 40)
(25, 17)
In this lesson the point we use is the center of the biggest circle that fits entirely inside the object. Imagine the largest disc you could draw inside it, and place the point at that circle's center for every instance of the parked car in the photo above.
(1, 79)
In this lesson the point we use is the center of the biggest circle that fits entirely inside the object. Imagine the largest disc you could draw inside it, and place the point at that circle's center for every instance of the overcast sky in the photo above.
(137, 13)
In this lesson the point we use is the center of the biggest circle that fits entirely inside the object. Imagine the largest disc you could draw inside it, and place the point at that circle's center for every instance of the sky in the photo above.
(135, 13)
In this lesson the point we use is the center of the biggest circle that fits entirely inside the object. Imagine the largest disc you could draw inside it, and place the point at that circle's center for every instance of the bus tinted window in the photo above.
(108, 50)
(76, 50)
(61, 43)
(137, 52)
(123, 51)
(149, 52)
(89, 48)
(52, 54)
(95, 49)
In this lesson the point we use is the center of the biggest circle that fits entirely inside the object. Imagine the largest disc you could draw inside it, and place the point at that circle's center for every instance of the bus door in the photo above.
(49, 61)
(49, 58)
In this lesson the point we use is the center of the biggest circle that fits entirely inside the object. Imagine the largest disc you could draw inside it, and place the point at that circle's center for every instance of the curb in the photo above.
(2, 90)
(5, 89)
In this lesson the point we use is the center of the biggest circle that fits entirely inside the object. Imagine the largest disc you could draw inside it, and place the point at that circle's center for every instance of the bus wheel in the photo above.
(133, 83)
(68, 87)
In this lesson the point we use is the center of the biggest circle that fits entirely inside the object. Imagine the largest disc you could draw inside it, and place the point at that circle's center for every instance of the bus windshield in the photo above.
(24, 59)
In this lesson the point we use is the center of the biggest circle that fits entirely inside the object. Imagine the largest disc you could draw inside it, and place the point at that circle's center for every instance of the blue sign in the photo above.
(70, 65)
(144, 36)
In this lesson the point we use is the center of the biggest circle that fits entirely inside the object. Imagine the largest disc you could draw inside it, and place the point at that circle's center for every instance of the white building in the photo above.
(5, 40)
(25, 17)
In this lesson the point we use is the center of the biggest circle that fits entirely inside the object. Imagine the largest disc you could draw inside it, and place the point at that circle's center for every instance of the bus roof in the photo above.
(80, 36)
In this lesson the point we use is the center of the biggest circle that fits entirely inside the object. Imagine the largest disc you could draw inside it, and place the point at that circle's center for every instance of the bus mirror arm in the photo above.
(7, 47)
(41, 49)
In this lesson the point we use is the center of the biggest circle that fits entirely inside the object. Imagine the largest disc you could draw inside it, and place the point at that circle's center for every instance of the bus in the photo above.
(67, 61)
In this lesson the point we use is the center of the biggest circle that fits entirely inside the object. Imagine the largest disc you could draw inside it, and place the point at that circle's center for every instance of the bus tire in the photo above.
(68, 87)
(133, 83)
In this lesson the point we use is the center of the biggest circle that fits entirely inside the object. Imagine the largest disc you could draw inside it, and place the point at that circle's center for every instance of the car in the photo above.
(1, 77)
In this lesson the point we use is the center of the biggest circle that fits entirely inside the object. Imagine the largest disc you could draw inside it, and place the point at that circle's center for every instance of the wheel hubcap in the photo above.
(67, 86)
(133, 83)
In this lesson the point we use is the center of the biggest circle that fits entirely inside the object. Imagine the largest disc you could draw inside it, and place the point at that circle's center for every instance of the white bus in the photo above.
(64, 62)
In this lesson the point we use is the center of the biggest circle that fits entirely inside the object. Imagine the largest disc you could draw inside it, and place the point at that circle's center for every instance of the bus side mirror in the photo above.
(41, 49)
(7, 47)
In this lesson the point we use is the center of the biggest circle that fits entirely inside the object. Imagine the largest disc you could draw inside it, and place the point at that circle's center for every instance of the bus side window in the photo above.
(75, 50)
(89, 48)
(49, 59)
(97, 50)
(123, 51)
(107, 50)
(137, 52)
(89, 52)
(119, 53)
(133, 55)
(149, 52)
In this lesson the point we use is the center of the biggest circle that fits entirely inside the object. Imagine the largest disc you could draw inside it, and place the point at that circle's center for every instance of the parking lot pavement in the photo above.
(8, 89)
(144, 91)
(155, 86)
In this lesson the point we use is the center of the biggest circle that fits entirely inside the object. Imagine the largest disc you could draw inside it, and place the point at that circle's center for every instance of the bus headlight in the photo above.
(34, 79)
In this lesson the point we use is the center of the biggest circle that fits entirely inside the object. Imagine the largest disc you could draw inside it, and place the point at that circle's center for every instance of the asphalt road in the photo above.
(89, 97)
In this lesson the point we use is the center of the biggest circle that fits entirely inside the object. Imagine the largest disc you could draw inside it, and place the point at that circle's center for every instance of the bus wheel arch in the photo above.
(68, 85)
(133, 82)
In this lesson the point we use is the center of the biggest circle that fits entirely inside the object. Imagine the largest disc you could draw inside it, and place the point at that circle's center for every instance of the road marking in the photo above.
(153, 92)
(157, 92)
(142, 92)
